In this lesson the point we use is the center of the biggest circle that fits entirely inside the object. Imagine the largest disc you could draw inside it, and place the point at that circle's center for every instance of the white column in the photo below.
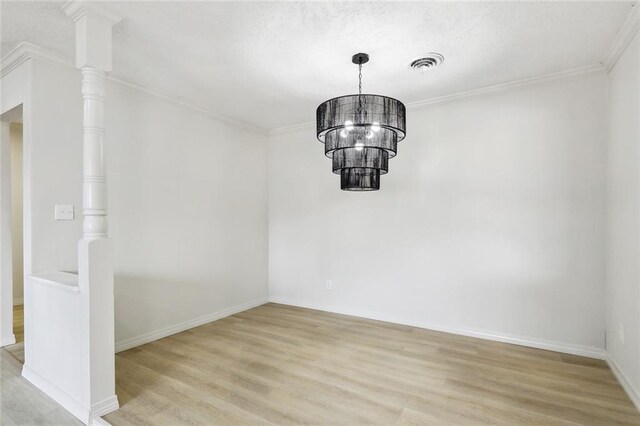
(94, 202)
(95, 250)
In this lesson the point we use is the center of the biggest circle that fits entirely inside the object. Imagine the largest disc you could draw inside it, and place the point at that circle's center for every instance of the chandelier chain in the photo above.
(360, 77)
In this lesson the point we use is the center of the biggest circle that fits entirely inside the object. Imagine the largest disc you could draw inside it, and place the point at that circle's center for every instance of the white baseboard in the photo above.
(104, 407)
(634, 394)
(123, 345)
(65, 400)
(86, 416)
(568, 348)
(18, 301)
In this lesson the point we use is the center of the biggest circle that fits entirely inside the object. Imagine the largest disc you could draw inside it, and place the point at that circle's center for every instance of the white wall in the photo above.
(15, 142)
(623, 216)
(52, 163)
(188, 214)
(187, 203)
(55, 166)
(490, 221)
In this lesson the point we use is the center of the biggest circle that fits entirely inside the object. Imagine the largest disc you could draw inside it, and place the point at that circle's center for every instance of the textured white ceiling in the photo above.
(270, 64)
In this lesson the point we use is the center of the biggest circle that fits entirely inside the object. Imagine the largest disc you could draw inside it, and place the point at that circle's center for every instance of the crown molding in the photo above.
(516, 84)
(12, 60)
(288, 129)
(78, 9)
(25, 51)
(623, 38)
(185, 104)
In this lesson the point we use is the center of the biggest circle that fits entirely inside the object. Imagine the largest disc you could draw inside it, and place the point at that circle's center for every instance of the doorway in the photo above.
(13, 232)
(17, 248)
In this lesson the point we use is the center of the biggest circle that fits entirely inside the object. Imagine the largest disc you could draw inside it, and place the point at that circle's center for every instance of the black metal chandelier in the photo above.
(360, 134)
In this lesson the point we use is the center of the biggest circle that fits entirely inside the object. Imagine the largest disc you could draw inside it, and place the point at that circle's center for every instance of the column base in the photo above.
(97, 324)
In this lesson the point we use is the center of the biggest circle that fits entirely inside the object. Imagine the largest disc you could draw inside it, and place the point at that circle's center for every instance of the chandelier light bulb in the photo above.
(343, 133)
(348, 125)
(359, 146)
(369, 134)
(375, 126)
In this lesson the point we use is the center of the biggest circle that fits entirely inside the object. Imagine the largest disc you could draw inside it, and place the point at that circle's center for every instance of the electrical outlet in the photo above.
(329, 285)
(64, 212)
(621, 331)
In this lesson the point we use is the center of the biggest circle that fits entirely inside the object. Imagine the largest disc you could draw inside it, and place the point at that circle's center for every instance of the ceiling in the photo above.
(269, 64)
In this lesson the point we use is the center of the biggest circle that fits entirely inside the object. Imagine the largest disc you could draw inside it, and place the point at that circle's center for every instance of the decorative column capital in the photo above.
(77, 9)
(93, 57)
(93, 33)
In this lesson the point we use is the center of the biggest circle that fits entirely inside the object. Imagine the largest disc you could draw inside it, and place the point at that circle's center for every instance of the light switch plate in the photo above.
(64, 212)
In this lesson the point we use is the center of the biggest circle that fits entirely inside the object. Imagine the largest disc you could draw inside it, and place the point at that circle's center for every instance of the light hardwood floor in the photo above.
(278, 364)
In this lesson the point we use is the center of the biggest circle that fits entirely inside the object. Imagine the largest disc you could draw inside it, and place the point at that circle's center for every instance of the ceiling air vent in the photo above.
(423, 63)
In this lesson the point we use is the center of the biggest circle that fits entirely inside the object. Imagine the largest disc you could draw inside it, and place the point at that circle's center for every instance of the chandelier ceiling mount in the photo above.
(360, 58)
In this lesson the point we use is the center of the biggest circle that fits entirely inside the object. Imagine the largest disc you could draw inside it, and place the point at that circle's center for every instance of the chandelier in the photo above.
(360, 134)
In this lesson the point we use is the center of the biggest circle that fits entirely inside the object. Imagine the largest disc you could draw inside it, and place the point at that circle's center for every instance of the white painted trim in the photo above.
(75, 407)
(25, 51)
(516, 84)
(495, 88)
(13, 60)
(6, 245)
(78, 9)
(57, 394)
(185, 104)
(18, 301)
(568, 348)
(623, 38)
(123, 345)
(289, 129)
(633, 394)
(104, 407)
(56, 283)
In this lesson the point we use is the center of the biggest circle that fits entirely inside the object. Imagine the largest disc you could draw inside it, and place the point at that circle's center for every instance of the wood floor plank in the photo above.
(278, 364)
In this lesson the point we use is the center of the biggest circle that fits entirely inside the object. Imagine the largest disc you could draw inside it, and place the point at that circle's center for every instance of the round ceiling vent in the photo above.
(425, 62)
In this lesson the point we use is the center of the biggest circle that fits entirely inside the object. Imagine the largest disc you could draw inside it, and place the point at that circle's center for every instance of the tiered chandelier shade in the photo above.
(367, 158)
(384, 138)
(360, 133)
